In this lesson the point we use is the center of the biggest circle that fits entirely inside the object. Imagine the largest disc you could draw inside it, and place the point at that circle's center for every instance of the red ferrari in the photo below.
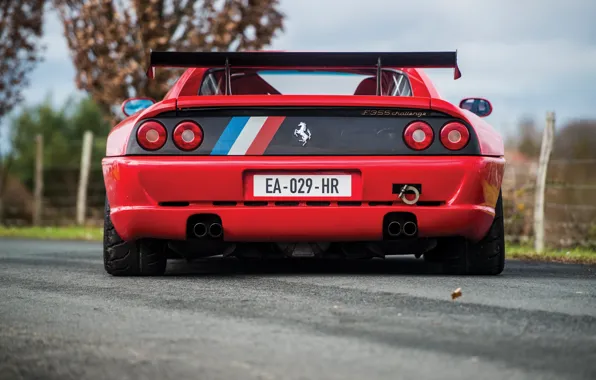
(345, 155)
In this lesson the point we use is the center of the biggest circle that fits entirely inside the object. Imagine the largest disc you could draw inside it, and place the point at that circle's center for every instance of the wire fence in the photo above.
(569, 207)
(59, 200)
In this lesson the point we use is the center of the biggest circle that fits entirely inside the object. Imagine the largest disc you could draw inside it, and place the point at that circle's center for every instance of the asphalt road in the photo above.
(62, 317)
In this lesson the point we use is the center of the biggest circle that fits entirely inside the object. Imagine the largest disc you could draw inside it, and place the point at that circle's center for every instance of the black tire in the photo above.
(486, 257)
(145, 257)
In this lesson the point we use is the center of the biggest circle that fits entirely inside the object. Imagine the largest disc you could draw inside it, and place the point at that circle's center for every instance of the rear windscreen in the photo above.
(307, 82)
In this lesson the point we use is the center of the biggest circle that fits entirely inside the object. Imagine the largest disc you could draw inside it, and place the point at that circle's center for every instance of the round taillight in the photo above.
(454, 136)
(188, 135)
(418, 135)
(151, 135)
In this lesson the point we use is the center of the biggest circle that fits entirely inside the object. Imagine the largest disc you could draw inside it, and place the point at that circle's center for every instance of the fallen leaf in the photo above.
(456, 293)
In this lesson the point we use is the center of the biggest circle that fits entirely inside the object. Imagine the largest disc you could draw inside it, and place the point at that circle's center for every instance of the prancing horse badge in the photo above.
(303, 133)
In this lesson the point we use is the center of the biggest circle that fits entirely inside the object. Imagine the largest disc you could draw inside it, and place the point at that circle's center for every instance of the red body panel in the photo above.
(491, 143)
(468, 186)
(118, 137)
(183, 95)
(462, 190)
(304, 100)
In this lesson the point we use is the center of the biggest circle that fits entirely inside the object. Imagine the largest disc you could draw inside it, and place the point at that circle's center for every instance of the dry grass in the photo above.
(53, 233)
(575, 256)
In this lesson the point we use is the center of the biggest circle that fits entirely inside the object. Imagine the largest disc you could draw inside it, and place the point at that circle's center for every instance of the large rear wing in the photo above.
(276, 59)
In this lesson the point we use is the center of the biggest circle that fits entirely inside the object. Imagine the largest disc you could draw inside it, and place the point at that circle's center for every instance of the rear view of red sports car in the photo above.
(347, 155)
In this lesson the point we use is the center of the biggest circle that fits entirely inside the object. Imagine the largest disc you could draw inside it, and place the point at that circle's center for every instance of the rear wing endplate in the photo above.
(276, 59)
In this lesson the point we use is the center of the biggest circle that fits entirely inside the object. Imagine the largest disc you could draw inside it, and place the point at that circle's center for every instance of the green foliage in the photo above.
(62, 130)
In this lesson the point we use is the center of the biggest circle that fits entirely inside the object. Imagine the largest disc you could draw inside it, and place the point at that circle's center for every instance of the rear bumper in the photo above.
(458, 197)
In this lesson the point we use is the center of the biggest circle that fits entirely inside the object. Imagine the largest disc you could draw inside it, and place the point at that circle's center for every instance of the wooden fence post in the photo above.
(545, 151)
(38, 191)
(84, 177)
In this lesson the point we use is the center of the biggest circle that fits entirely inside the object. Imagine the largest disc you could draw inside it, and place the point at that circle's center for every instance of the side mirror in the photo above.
(134, 105)
(479, 106)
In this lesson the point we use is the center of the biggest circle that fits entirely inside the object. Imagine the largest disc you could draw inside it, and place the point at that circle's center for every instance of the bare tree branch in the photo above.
(20, 49)
(109, 41)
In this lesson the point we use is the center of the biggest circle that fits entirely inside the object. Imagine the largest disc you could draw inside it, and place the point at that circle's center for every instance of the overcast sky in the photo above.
(526, 56)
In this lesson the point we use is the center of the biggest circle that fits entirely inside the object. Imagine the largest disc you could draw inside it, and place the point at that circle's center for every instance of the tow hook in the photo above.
(405, 190)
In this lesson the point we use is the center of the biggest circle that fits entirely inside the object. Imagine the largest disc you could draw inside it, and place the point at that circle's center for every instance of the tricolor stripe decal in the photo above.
(265, 136)
(247, 135)
(229, 135)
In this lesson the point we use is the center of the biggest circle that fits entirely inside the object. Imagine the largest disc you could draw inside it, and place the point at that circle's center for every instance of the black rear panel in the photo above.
(299, 131)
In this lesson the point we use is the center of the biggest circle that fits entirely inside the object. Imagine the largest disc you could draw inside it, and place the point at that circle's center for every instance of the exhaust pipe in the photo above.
(200, 230)
(410, 228)
(215, 230)
(394, 229)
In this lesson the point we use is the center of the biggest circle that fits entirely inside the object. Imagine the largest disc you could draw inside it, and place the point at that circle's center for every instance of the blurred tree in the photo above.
(110, 39)
(62, 129)
(576, 140)
(526, 139)
(20, 49)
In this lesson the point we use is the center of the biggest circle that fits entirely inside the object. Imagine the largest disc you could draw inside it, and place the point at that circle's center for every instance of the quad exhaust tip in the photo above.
(410, 228)
(215, 230)
(200, 230)
(394, 229)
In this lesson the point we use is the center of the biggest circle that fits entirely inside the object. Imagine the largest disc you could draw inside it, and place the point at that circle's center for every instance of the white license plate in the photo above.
(289, 185)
